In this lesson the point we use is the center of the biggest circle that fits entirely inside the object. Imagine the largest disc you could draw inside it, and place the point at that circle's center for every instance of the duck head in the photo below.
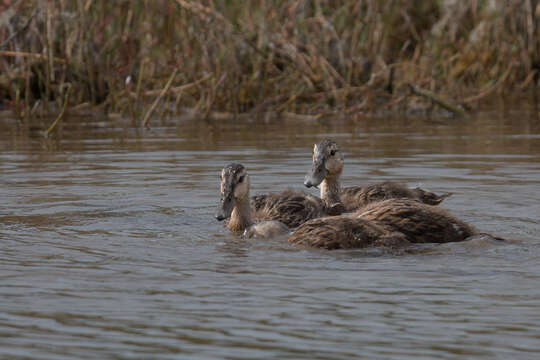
(327, 162)
(234, 187)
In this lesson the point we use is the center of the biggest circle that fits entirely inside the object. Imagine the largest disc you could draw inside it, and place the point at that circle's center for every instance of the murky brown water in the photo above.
(109, 248)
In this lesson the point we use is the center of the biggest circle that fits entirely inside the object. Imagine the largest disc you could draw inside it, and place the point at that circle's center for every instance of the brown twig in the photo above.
(175, 90)
(490, 90)
(61, 115)
(30, 55)
(437, 100)
(528, 80)
(163, 92)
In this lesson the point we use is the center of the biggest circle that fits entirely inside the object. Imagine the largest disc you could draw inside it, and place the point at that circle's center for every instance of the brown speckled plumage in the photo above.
(388, 223)
(357, 197)
(345, 232)
(420, 223)
(290, 207)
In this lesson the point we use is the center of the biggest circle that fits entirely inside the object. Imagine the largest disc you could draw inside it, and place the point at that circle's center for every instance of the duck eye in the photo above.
(333, 152)
(241, 178)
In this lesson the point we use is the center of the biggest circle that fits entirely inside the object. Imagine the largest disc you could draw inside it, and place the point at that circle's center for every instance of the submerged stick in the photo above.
(456, 110)
(163, 92)
(66, 98)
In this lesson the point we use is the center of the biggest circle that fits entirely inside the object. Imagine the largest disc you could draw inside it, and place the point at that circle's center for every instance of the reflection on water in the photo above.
(110, 249)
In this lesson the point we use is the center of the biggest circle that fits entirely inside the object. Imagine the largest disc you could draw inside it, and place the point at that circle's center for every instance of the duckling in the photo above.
(273, 213)
(389, 223)
(326, 171)
(235, 204)
(420, 223)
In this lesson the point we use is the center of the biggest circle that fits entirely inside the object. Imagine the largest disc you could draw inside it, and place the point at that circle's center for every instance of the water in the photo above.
(109, 248)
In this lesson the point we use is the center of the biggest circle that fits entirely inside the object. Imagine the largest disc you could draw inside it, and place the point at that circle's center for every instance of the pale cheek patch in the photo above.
(239, 190)
(332, 165)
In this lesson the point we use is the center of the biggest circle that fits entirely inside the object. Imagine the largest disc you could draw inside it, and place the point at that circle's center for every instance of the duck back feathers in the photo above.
(389, 223)
(290, 207)
(345, 232)
(357, 197)
(420, 223)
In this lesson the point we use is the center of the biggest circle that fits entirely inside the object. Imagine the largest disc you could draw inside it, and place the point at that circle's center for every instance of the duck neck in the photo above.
(240, 216)
(330, 188)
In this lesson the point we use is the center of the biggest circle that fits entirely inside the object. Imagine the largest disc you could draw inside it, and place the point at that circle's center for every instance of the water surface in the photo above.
(109, 248)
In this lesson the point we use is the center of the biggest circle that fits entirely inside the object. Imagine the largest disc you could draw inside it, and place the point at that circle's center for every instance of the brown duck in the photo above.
(263, 215)
(393, 223)
(326, 171)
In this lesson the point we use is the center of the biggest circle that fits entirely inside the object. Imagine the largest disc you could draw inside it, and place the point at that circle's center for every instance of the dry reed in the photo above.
(318, 58)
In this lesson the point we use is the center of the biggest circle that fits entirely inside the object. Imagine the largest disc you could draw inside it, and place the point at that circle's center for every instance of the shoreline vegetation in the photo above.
(302, 60)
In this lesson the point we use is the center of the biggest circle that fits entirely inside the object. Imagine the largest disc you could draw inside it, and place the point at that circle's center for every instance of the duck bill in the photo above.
(317, 175)
(225, 208)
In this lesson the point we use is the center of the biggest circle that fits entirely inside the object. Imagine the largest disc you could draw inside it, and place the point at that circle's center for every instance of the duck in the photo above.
(327, 166)
(389, 223)
(262, 216)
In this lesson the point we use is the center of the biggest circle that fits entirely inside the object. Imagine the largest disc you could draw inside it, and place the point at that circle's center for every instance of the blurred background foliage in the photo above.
(285, 56)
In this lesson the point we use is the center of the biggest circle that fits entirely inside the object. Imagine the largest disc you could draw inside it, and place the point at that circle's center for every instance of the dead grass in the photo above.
(156, 58)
